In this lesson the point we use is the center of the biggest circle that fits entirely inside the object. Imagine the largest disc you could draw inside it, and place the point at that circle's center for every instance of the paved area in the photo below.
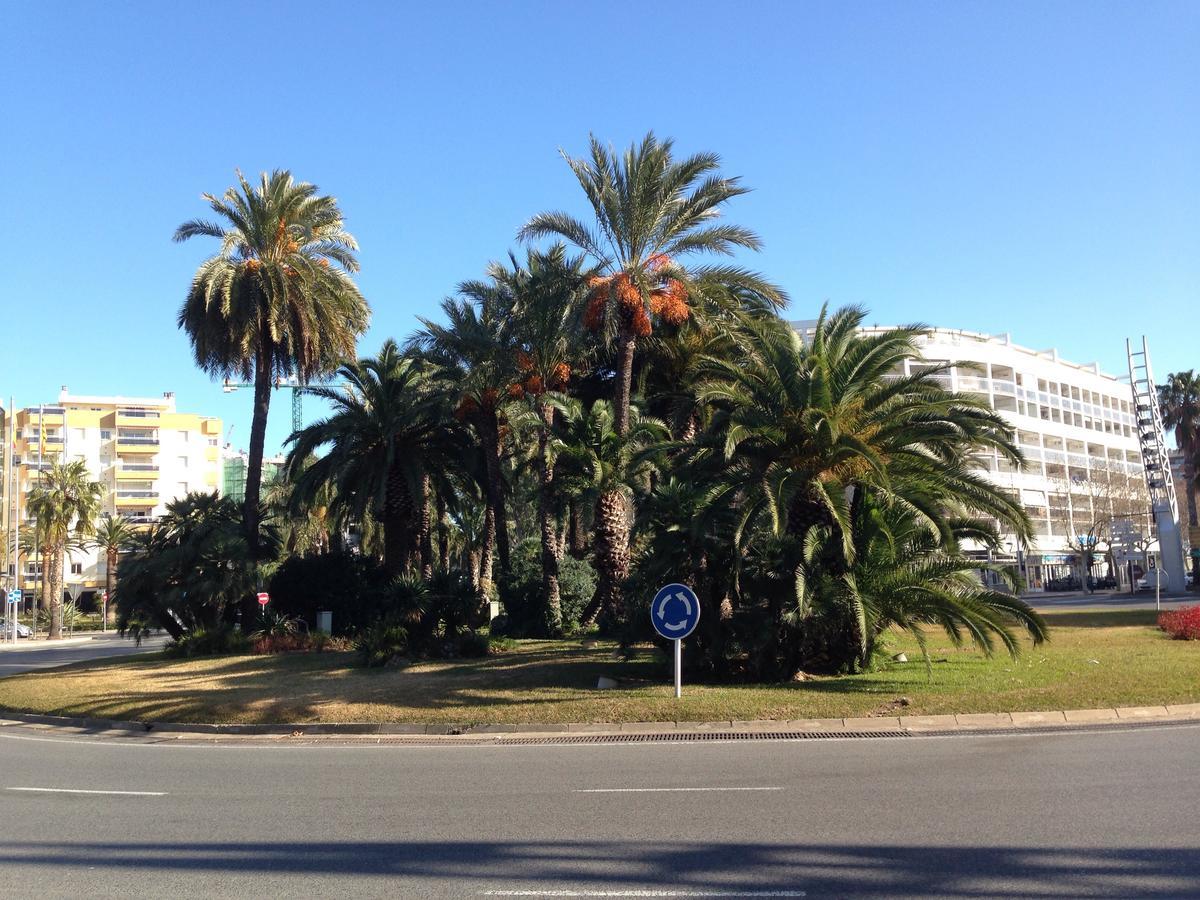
(28, 655)
(1107, 601)
(1106, 814)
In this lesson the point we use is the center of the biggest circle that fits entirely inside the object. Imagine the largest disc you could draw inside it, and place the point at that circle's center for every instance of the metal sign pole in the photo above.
(678, 668)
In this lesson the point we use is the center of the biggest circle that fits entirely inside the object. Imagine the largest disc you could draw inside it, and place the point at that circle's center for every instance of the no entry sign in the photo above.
(264, 598)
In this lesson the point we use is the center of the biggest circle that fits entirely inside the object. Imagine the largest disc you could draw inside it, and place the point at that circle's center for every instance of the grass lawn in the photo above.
(1092, 660)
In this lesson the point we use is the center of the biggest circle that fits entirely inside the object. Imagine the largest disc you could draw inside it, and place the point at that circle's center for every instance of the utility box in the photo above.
(325, 621)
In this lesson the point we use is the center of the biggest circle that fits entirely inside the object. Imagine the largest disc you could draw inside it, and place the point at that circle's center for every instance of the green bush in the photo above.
(353, 587)
(472, 645)
(521, 591)
(208, 642)
(379, 644)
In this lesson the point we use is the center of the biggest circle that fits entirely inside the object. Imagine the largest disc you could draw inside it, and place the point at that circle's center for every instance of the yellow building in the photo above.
(142, 450)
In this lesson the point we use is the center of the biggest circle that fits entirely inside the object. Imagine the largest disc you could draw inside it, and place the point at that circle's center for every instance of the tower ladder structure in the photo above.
(1156, 463)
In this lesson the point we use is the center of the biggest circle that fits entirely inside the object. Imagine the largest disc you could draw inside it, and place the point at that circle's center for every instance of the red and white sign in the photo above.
(264, 598)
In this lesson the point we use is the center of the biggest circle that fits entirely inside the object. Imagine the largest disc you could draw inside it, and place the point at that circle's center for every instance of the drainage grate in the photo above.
(690, 736)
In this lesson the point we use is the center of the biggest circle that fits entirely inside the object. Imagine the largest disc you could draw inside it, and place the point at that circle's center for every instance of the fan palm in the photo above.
(652, 211)
(1179, 403)
(613, 466)
(385, 436)
(66, 500)
(113, 535)
(277, 299)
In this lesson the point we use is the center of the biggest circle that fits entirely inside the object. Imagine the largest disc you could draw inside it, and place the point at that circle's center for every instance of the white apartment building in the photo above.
(141, 449)
(1076, 427)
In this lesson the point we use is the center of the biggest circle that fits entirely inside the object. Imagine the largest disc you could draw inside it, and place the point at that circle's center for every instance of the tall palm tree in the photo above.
(615, 466)
(387, 434)
(113, 535)
(476, 361)
(277, 299)
(1179, 403)
(799, 428)
(651, 212)
(65, 502)
(545, 314)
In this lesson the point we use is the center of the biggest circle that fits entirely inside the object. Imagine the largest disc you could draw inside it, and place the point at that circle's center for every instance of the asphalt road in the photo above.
(1107, 601)
(1108, 814)
(28, 655)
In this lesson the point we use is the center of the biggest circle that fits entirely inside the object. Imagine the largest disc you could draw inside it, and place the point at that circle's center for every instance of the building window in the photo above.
(183, 462)
(105, 434)
(181, 489)
(76, 568)
(212, 442)
(183, 437)
(77, 434)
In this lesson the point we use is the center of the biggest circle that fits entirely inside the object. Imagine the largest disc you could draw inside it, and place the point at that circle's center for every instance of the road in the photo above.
(1105, 814)
(1107, 601)
(28, 655)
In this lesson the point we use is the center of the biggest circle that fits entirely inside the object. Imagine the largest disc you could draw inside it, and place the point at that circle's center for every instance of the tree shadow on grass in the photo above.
(473, 866)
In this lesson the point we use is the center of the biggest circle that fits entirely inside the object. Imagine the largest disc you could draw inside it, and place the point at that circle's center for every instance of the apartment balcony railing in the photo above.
(130, 439)
(137, 414)
(137, 467)
(141, 520)
(135, 495)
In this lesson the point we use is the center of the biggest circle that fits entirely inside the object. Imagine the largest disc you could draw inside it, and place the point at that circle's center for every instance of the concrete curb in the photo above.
(962, 722)
(43, 643)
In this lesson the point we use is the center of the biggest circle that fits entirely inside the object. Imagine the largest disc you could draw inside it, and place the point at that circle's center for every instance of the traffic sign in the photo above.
(1151, 562)
(264, 598)
(14, 595)
(675, 611)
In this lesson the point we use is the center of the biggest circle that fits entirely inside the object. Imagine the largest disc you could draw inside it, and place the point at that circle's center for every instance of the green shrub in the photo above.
(208, 642)
(379, 644)
(353, 587)
(521, 591)
(472, 645)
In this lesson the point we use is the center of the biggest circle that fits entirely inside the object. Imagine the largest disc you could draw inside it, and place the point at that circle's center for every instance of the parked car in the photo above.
(1154, 577)
(23, 631)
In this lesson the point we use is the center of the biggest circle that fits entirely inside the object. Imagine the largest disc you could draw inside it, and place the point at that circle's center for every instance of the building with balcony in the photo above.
(141, 449)
(1076, 427)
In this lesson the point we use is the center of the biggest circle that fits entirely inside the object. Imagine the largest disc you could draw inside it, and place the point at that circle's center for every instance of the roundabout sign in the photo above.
(675, 613)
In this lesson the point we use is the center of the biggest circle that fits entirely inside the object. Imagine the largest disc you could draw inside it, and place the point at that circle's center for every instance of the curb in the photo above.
(941, 724)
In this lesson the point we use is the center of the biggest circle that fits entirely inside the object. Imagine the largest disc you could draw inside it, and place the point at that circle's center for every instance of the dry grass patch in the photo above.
(1093, 660)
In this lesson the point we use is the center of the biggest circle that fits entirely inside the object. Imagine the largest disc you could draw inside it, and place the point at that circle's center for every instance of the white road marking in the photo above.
(643, 893)
(671, 791)
(80, 791)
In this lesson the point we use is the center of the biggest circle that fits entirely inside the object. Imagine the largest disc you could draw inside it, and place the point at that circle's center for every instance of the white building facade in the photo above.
(1075, 424)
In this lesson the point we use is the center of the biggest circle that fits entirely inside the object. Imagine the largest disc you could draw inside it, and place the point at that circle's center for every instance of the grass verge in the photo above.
(1093, 660)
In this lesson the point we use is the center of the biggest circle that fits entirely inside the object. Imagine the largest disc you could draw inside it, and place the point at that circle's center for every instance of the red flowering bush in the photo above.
(1181, 624)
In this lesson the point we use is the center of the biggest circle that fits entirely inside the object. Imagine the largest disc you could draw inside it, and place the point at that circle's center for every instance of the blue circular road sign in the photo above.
(675, 611)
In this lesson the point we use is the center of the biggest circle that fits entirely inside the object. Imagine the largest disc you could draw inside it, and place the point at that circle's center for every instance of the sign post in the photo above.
(675, 613)
(13, 601)
(263, 599)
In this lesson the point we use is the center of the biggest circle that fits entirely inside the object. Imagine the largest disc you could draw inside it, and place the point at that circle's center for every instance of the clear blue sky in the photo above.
(1031, 168)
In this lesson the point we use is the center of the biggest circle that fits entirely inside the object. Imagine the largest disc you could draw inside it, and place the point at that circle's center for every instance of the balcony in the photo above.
(136, 498)
(139, 471)
(128, 443)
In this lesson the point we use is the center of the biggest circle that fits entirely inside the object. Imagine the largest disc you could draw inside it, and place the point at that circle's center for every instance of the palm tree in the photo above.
(276, 301)
(476, 362)
(66, 501)
(1179, 402)
(544, 321)
(387, 435)
(651, 211)
(113, 535)
(614, 466)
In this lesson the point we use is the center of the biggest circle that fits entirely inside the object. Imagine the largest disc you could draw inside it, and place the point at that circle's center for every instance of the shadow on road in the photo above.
(816, 869)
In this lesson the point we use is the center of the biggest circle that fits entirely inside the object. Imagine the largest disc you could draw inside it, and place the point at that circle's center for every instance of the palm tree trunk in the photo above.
(612, 558)
(553, 600)
(487, 551)
(426, 529)
(626, 344)
(495, 484)
(1189, 476)
(258, 434)
(576, 534)
(443, 533)
(397, 523)
(56, 605)
(110, 584)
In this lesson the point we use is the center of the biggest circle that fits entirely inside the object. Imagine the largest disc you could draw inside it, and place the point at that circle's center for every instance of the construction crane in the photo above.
(298, 390)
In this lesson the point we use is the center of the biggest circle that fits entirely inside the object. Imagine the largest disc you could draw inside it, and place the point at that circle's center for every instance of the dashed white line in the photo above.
(670, 790)
(48, 790)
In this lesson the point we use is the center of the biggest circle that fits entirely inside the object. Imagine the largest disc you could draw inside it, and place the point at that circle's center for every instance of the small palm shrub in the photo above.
(275, 624)
(379, 644)
(1181, 624)
(208, 642)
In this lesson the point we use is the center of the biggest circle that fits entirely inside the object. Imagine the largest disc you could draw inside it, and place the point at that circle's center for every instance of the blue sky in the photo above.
(1021, 167)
